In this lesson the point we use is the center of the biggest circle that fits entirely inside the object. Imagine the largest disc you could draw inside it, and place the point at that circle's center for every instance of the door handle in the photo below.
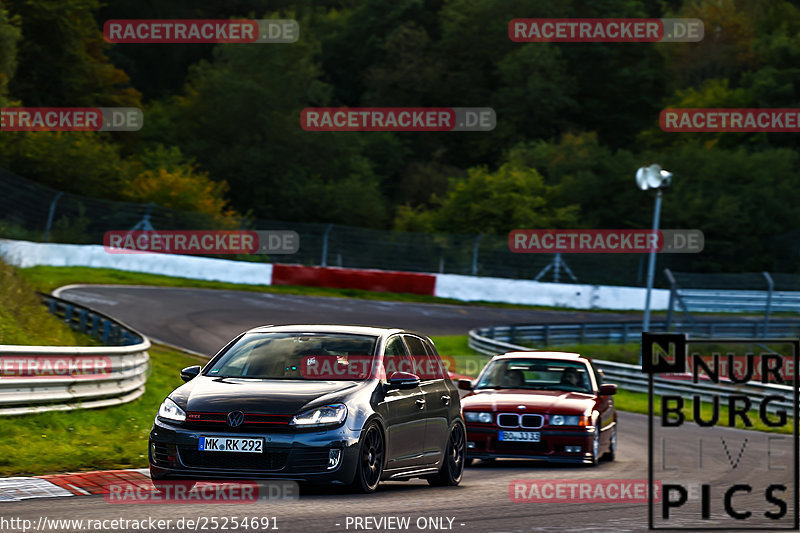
(446, 399)
(421, 403)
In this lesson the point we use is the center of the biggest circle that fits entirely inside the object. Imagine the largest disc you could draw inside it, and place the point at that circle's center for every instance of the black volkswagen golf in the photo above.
(318, 404)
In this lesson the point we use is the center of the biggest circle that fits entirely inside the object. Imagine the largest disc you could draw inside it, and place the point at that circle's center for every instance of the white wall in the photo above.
(528, 292)
(27, 254)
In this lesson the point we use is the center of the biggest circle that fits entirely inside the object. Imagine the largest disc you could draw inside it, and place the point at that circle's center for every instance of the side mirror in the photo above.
(190, 372)
(608, 390)
(403, 380)
(465, 384)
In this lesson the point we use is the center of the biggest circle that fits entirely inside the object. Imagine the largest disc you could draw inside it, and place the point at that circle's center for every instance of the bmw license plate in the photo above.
(230, 444)
(519, 436)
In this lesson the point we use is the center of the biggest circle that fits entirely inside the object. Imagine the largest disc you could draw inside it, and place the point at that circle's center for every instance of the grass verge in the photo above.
(23, 318)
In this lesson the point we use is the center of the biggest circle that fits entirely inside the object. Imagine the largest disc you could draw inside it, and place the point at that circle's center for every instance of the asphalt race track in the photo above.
(203, 320)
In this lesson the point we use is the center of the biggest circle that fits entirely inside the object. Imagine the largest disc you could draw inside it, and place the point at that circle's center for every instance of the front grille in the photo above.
(163, 454)
(532, 421)
(270, 459)
(252, 421)
(508, 420)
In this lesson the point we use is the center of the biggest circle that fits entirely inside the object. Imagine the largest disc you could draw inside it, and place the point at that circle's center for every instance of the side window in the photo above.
(427, 367)
(396, 357)
(598, 375)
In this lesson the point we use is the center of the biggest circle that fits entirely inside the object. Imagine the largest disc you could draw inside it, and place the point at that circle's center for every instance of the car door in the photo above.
(605, 405)
(437, 397)
(406, 411)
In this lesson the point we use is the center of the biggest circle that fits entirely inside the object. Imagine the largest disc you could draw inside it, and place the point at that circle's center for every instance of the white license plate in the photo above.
(520, 436)
(230, 444)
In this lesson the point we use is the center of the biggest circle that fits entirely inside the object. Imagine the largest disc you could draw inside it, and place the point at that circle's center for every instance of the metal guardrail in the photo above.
(630, 331)
(123, 381)
(630, 377)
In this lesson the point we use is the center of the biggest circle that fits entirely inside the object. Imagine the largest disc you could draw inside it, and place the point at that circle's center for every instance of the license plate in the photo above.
(230, 444)
(520, 436)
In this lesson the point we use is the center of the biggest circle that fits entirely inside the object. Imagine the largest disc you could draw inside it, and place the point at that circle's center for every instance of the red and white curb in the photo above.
(76, 484)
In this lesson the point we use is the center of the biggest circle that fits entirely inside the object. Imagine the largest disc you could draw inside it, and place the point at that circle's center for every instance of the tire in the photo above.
(595, 446)
(611, 454)
(371, 454)
(452, 469)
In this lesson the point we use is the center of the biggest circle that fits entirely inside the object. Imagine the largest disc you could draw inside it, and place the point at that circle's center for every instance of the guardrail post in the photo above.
(770, 288)
(95, 325)
(625, 334)
(547, 334)
(512, 333)
(672, 288)
(68, 314)
(82, 322)
(475, 255)
(324, 261)
(583, 332)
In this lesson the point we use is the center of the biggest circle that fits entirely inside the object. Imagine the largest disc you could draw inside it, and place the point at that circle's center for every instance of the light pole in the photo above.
(652, 177)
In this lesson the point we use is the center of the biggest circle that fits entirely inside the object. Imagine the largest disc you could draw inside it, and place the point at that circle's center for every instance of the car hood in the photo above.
(267, 396)
(560, 402)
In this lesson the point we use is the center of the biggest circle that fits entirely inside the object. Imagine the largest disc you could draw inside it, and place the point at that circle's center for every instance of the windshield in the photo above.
(301, 356)
(536, 374)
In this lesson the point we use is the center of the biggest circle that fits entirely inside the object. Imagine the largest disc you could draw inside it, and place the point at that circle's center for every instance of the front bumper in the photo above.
(295, 455)
(484, 443)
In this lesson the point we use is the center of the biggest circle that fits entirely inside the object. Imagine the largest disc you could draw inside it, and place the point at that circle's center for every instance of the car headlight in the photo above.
(170, 411)
(326, 415)
(563, 420)
(474, 416)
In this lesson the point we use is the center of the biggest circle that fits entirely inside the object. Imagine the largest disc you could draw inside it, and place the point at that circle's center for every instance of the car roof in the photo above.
(330, 328)
(564, 356)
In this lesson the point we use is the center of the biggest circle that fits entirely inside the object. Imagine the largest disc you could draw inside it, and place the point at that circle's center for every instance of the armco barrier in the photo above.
(630, 377)
(123, 381)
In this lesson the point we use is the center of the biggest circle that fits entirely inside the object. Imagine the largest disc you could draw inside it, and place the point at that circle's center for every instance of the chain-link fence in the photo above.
(31, 211)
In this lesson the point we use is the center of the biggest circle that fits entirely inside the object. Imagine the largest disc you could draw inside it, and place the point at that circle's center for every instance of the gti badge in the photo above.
(235, 419)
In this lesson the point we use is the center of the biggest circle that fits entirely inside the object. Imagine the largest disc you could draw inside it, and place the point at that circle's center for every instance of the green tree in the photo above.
(513, 196)
(62, 59)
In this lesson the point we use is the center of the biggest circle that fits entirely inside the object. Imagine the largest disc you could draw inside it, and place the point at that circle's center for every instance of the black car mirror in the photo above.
(465, 384)
(190, 372)
(403, 380)
(608, 390)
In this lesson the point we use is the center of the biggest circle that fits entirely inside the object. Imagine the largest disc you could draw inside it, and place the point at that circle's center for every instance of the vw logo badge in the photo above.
(235, 419)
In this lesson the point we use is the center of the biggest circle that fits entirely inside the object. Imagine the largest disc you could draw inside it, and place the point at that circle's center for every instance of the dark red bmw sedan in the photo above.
(552, 406)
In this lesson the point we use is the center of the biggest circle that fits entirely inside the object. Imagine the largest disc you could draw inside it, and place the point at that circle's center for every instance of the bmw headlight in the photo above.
(327, 415)
(563, 420)
(474, 416)
(169, 410)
